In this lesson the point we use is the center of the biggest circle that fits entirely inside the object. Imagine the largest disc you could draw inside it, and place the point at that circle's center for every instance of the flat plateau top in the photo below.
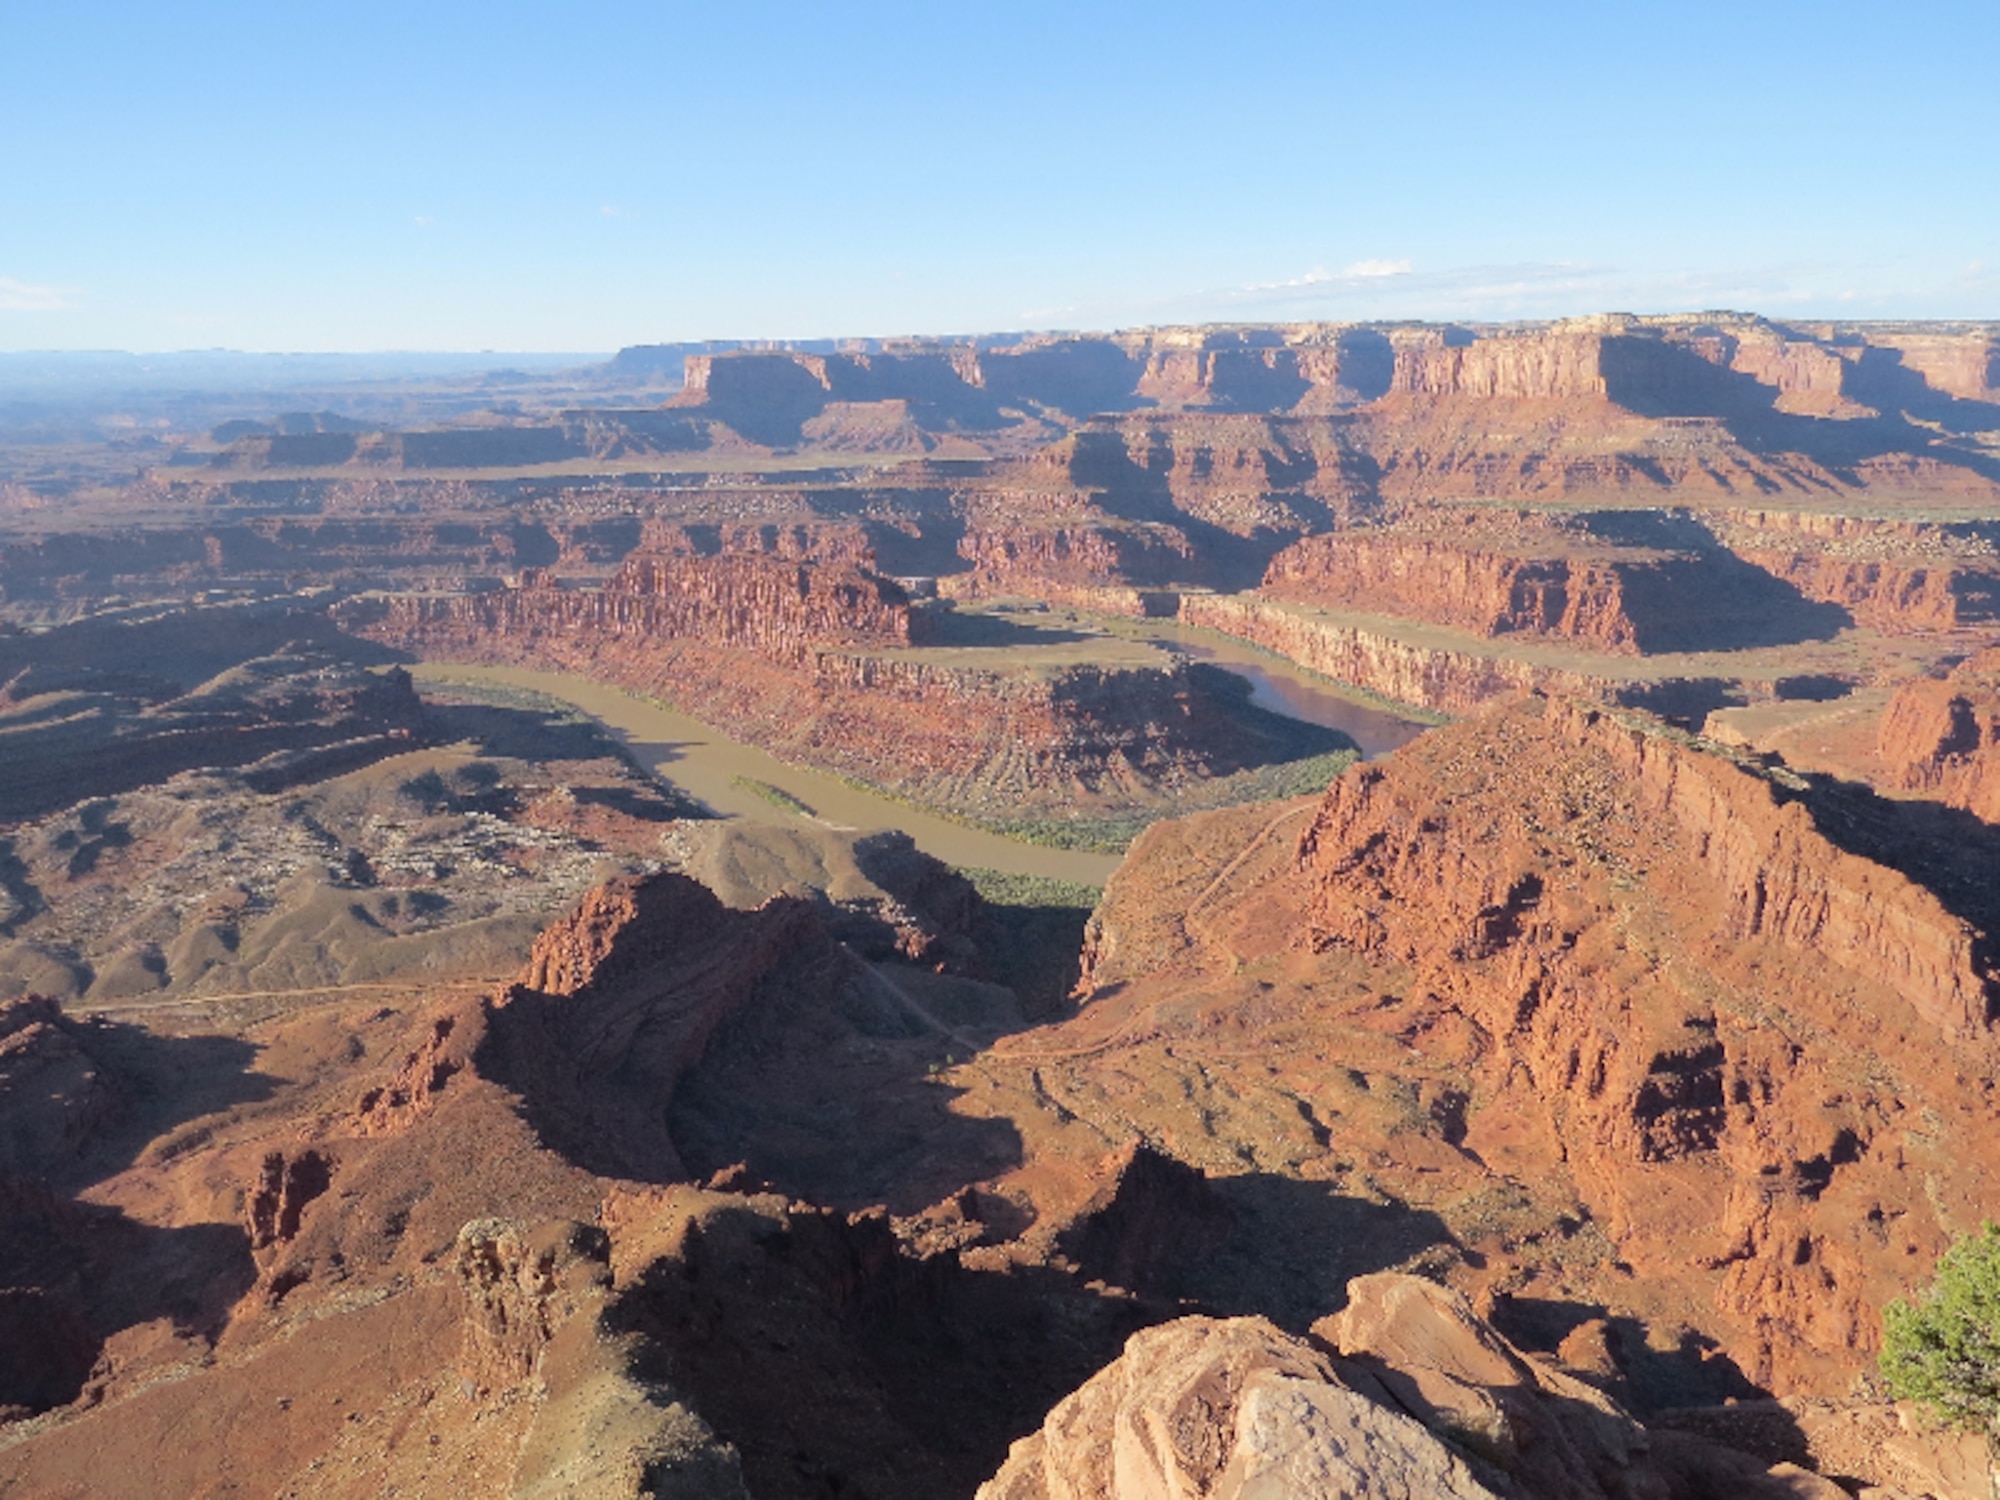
(1019, 642)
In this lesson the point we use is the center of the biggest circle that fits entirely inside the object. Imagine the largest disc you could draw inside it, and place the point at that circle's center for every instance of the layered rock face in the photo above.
(1524, 581)
(1426, 674)
(1714, 1044)
(1895, 575)
(972, 385)
(1535, 366)
(1941, 737)
(1242, 476)
(769, 604)
(1596, 996)
(1685, 365)
(1965, 365)
(1087, 564)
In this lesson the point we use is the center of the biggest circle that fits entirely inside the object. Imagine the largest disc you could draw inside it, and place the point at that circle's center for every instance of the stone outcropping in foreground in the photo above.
(1652, 1027)
(1404, 1395)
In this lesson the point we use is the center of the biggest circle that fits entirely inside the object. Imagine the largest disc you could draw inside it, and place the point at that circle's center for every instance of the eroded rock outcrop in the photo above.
(1433, 673)
(619, 1000)
(1941, 737)
(763, 602)
(1406, 1394)
(1536, 577)
(1228, 1410)
(1491, 862)
(54, 1092)
(1893, 574)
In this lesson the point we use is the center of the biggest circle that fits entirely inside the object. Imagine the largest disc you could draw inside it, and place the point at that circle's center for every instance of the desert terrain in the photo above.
(1218, 911)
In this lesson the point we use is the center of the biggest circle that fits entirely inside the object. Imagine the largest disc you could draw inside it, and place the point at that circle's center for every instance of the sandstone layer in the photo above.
(1653, 1033)
(1940, 737)
(1527, 576)
(1433, 671)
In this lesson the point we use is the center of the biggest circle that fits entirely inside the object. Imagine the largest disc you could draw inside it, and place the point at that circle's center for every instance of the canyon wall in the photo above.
(1457, 582)
(1890, 573)
(1425, 675)
(1941, 737)
(767, 603)
(1712, 1002)
(1015, 560)
(1532, 366)
(1535, 576)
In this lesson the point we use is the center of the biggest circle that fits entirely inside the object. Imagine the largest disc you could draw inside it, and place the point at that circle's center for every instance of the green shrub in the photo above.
(1943, 1349)
(777, 796)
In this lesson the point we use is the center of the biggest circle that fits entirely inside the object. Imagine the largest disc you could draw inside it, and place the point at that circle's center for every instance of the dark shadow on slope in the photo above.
(185, 647)
(1034, 949)
(1244, 381)
(1367, 363)
(840, 1367)
(680, 1037)
(1878, 377)
(910, 1378)
(990, 630)
(1659, 379)
(840, 1100)
(1718, 602)
(82, 1097)
(1103, 463)
(922, 545)
(1641, 1377)
(72, 1274)
(767, 398)
(1293, 1246)
(79, 1101)
(1077, 377)
(1685, 702)
(1703, 597)
(1263, 738)
(1946, 850)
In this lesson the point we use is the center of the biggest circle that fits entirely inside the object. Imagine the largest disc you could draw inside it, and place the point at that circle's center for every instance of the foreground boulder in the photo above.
(1424, 1400)
(1226, 1410)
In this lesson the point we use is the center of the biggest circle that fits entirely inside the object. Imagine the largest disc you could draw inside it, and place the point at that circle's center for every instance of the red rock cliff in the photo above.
(1941, 736)
(1728, 1023)
(768, 604)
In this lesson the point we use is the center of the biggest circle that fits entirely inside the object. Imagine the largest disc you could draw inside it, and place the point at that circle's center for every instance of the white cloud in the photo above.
(1371, 270)
(24, 296)
(1361, 270)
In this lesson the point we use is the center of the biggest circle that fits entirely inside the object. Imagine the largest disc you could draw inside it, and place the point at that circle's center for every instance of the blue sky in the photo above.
(531, 177)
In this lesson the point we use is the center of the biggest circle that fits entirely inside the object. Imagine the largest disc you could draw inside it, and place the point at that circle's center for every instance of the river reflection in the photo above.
(1283, 689)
